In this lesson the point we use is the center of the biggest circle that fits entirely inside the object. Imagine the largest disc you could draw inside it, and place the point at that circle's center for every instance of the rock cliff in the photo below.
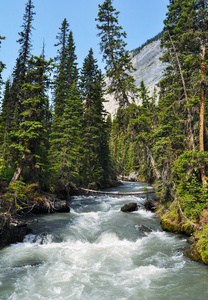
(148, 67)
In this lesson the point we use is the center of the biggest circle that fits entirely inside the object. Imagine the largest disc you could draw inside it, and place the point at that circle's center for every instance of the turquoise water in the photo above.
(97, 252)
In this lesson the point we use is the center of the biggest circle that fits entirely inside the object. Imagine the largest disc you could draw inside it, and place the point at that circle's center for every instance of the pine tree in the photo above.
(144, 95)
(61, 79)
(118, 63)
(65, 135)
(66, 143)
(5, 121)
(71, 60)
(2, 65)
(182, 98)
(13, 97)
(95, 144)
(32, 133)
(21, 66)
(202, 21)
(6, 155)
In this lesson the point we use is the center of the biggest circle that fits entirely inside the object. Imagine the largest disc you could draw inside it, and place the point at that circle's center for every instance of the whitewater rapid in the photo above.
(97, 252)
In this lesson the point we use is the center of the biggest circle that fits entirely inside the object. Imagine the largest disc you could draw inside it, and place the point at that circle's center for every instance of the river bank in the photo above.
(14, 229)
(96, 252)
(173, 220)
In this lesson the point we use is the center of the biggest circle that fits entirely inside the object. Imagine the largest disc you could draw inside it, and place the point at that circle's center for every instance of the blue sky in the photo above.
(141, 19)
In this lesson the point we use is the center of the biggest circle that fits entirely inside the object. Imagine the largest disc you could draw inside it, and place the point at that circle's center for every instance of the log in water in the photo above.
(143, 192)
(97, 252)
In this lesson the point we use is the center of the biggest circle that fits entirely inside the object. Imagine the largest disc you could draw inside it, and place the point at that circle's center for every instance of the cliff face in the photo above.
(148, 68)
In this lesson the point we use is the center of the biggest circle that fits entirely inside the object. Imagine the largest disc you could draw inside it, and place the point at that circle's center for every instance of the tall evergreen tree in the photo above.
(61, 81)
(4, 106)
(202, 21)
(66, 143)
(182, 98)
(32, 133)
(5, 121)
(144, 95)
(14, 98)
(2, 65)
(95, 143)
(21, 66)
(118, 63)
(65, 136)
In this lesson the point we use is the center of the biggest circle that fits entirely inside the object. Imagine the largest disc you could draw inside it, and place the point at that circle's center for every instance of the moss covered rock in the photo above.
(193, 253)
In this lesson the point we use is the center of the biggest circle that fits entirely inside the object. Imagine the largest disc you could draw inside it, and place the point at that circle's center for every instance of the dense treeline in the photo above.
(167, 143)
(75, 143)
(57, 147)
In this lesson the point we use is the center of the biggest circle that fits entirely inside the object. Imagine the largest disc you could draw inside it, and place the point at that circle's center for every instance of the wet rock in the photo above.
(61, 206)
(129, 207)
(42, 238)
(12, 234)
(193, 253)
(144, 229)
(149, 205)
(169, 225)
(191, 239)
(50, 206)
(32, 263)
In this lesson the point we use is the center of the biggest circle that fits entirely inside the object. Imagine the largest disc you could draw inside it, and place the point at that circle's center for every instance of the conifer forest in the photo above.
(56, 137)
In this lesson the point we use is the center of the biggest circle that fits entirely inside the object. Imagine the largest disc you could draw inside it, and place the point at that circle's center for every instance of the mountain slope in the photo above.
(148, 68)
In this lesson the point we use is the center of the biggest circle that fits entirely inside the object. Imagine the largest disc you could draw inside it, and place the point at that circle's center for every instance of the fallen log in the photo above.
(118, 193)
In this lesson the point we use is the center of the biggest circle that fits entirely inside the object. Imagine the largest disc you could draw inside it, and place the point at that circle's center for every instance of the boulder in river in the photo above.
(144, 229)
(149, 205)
(129, 207)
(61, 206)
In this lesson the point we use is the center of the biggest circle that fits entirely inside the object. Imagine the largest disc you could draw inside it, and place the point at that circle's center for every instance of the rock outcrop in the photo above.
(148, 67)
(11, 231)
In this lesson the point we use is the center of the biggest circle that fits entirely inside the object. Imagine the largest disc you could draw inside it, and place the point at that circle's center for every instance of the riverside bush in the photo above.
(21, 195)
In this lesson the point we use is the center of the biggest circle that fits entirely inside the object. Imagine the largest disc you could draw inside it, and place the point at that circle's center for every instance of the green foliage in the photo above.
(20, 195)
(65, 137)
(66, 141)
(96, 167)
(66, 72)
(202, 237)
(5, 172)
(33, 130)
(118, 62)
(186, 175)
(132, 137)
(2, 66)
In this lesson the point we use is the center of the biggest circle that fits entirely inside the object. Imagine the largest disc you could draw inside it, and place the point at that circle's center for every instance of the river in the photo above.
(97, 252)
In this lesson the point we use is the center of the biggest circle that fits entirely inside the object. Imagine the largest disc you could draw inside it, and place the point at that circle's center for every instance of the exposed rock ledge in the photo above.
(13, 230)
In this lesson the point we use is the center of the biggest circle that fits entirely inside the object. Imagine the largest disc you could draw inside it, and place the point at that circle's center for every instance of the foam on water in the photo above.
(100, 254)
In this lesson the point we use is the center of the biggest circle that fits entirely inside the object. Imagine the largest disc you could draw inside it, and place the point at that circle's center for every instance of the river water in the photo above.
(97, 252)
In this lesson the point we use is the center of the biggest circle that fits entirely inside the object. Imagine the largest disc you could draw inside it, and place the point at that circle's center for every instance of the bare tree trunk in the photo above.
(186, 96)
(201, 122)
(18, 170)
